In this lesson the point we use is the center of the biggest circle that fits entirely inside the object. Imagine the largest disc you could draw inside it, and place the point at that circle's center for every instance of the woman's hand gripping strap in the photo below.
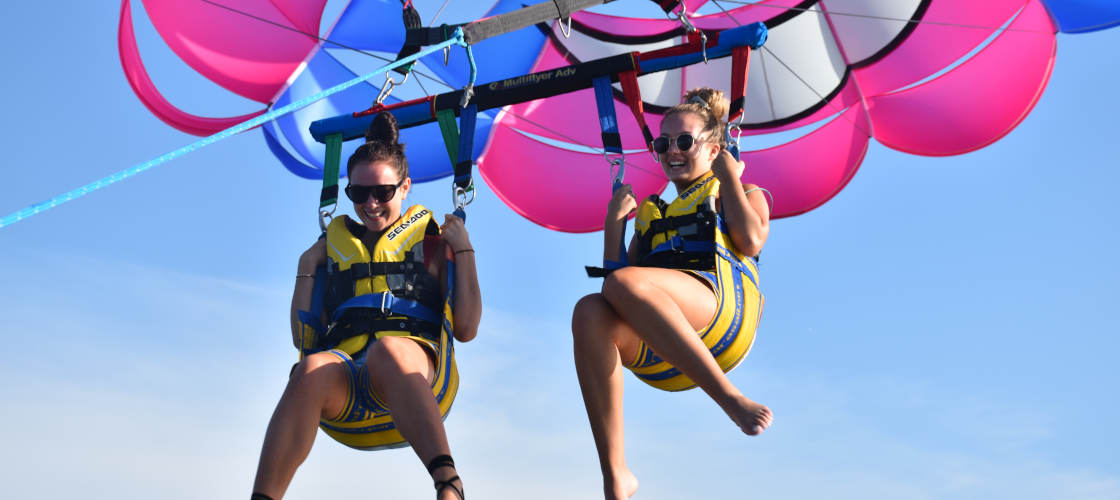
(612, 145)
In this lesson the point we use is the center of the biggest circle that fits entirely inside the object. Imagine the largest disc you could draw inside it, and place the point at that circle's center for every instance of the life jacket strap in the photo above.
(389, 305)
(367, 321)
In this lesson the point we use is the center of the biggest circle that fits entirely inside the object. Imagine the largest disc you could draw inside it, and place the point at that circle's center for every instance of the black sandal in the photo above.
(445, 461)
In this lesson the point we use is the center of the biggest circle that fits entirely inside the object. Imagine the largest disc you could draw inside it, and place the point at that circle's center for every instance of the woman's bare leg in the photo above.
(317, 389)
(600, 341)
(401, 373)
(666, 307)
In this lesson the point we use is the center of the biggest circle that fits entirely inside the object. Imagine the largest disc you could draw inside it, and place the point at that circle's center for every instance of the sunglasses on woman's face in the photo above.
(684, 143)
(381, 192)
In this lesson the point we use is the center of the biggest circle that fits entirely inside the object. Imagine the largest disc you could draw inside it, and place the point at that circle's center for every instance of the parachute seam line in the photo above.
(321, 39)
(438, 12)
(222, 135)
(819, 96)
(769, 93)
(884, 18)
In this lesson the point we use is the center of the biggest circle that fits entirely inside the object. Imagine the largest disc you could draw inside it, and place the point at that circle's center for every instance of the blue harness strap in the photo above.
(389, 304)
(608, 121)
(612, 143)
(465, 163)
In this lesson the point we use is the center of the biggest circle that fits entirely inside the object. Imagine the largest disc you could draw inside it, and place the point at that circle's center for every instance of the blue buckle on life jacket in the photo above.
(389, 305)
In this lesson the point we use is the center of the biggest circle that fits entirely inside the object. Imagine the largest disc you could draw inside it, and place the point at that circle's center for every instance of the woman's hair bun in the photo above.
(717, 104)
(383, 129)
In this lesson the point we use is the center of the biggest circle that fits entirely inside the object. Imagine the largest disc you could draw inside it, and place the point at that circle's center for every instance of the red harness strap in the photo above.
(633, 95)
(740, 65)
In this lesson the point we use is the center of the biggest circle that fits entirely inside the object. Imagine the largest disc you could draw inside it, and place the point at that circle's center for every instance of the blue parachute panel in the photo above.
(1083, 16)
(290, 162)
(370, 25)
(426, 155)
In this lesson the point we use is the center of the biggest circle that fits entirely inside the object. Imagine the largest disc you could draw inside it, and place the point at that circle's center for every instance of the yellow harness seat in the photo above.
(689, 234)
(386, 292)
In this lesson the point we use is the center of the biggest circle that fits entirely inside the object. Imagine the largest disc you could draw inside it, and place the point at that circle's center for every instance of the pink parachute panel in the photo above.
(936, 42)
(966, 108)
(243, 55)
(810, 170)
(155, 102)
(976, 103)
(555, 187)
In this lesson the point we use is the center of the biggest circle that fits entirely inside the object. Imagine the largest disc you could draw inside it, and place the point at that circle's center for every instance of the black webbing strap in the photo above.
(680, 222)
(667, 5)
(522, 18)
(412, 21)
(562, 10)
(370, 269)
(358, 321)
(537, 85)
(422, 36)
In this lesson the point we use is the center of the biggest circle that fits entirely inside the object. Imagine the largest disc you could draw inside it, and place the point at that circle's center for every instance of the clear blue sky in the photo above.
(943, 328)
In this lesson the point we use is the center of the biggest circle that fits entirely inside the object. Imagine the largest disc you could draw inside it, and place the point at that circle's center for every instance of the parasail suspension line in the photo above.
(40, 207)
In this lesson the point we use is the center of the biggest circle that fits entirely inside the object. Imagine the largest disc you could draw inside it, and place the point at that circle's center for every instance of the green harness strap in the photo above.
(329, 195)
(450, 131)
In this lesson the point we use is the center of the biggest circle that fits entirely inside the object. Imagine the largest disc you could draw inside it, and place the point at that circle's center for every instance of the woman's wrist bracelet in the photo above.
(471, 250)
(305, 276)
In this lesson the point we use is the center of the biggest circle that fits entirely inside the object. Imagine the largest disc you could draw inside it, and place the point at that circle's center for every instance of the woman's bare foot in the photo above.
(621, 486)
(751, 417)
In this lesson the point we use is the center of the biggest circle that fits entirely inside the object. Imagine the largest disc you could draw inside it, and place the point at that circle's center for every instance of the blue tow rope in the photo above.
(10, 219)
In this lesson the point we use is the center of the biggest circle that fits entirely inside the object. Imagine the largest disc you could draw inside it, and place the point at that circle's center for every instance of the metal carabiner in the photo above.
(704, 46)
(385, 306)
(325, 217)
(389, 86)
(567, 33)
(689, 27)
(617, 169)
(461, 197)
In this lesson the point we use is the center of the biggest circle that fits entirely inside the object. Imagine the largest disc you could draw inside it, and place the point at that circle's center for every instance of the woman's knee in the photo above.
(312, 368)
(590, 313)
(321, 377)
(625, 282)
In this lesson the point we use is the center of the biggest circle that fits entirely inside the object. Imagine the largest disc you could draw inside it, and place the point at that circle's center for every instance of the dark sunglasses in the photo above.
(684, 143)
(381, 192)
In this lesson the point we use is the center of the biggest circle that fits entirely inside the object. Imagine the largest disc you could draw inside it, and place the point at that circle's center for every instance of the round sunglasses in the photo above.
(381, 192)
(684, 143)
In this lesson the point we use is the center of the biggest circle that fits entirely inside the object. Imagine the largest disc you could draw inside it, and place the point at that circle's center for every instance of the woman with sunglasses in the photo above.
(382, 373)
(685, 314)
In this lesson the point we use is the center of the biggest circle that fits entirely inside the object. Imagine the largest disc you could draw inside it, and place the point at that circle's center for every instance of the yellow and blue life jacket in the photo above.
(384, 292)
(689, 234)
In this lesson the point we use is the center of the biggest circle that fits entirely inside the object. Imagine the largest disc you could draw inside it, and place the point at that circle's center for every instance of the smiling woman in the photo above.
(379, 372)
(687, 312)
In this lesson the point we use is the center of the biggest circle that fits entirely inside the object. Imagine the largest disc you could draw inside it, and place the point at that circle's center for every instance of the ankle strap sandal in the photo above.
(445, 461)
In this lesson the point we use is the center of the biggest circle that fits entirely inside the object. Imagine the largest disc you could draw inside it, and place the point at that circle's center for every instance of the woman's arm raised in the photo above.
(747, 216)
(468, 297)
